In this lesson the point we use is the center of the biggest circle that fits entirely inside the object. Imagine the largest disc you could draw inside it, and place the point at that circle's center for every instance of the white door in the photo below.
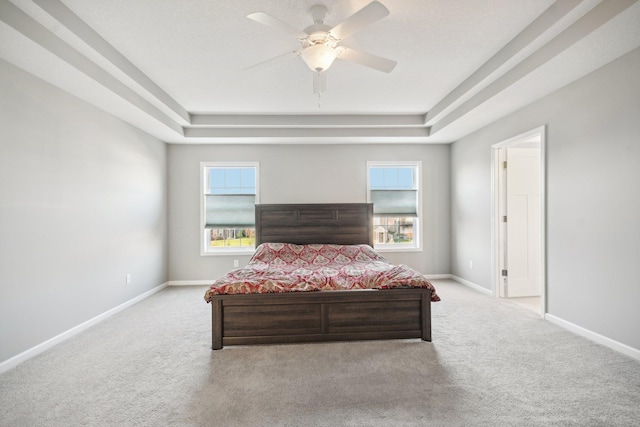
(523, 232)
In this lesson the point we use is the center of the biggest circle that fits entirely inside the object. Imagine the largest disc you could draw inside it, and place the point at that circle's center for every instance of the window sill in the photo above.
(396, 249)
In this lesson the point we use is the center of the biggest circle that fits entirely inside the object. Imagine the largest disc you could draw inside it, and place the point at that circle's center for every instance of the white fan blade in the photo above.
(367, 59)
(270, 21)
(319, 83)
(369, 14)
(274, 60)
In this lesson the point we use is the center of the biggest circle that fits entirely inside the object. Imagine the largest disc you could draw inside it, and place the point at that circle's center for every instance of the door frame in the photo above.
(539, 135)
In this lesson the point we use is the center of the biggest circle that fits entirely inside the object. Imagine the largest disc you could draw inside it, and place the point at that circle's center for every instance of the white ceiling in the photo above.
(176, 68)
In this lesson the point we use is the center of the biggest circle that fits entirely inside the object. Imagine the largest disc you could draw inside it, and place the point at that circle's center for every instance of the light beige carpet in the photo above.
(492, 363)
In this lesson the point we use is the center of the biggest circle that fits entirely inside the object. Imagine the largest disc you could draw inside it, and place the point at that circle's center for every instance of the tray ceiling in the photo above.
(177, 69)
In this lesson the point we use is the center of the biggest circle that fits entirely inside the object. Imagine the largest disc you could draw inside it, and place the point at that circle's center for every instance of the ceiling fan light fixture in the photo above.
(319, 57)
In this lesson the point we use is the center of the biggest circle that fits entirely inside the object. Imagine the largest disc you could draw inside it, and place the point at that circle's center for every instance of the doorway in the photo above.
(518, 220)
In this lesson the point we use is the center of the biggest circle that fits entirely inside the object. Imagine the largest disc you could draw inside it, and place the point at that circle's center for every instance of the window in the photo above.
(229, 195)
(394, 190)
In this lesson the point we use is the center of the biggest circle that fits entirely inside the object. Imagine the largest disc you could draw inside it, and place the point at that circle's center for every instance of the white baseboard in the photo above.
(34, 351)
(578, 330)
(472, 285)
(437, 276)
(461, 281)
(191, 282)
(593, 336)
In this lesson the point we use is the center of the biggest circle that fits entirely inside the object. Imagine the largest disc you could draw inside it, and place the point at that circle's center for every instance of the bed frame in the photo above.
(326, 315)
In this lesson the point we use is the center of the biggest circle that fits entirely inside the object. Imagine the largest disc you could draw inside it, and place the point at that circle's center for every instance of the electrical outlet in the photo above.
(471, 264)
(236, 263)
(128, 278)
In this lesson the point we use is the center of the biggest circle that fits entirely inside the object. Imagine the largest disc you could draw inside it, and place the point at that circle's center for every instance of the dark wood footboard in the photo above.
(321, 316)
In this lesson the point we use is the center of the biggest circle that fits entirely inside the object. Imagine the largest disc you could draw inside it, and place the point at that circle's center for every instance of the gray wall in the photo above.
(83, 202)
(303, 174)
(593, 199)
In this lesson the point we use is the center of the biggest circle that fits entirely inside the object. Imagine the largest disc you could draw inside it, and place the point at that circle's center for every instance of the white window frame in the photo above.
(417, 231)
(205, 249)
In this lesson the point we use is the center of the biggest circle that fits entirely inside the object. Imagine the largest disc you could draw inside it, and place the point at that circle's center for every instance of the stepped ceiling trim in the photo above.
(564, 24)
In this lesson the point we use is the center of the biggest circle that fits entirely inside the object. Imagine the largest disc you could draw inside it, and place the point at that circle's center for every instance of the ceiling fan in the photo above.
(320, 44)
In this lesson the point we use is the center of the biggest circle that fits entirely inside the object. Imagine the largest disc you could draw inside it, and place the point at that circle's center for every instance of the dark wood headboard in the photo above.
(303, 224)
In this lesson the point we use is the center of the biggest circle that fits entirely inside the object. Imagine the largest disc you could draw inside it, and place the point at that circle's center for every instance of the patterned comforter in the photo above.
(285, 267)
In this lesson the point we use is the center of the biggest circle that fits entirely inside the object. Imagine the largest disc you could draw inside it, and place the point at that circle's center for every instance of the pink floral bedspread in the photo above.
(285, 267)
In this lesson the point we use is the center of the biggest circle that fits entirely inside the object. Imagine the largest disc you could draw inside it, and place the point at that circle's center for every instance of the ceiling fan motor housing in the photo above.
(319, 33)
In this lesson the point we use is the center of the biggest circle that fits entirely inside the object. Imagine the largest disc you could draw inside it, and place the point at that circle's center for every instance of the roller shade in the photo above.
(230, 210)
(395, 202)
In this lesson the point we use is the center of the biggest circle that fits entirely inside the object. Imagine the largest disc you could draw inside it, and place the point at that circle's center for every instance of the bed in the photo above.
(315, 277)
